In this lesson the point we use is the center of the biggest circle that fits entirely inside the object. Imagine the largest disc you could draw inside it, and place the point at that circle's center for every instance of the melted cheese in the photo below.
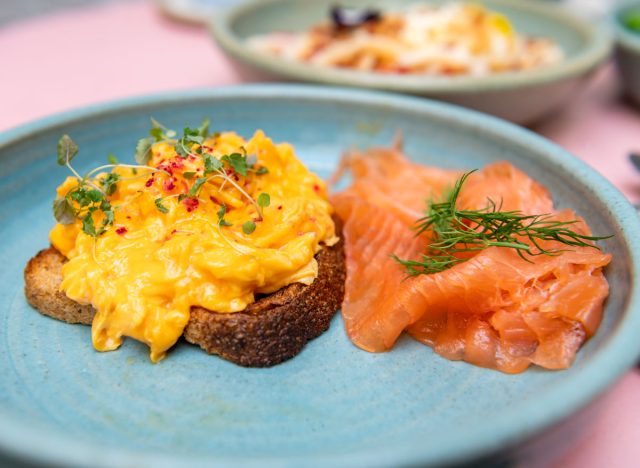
(146, 272)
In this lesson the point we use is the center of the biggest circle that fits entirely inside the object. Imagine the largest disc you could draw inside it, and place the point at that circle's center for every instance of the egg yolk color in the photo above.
(167, 252)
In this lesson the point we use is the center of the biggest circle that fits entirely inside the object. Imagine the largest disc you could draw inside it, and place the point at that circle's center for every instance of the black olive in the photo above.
(345, 18)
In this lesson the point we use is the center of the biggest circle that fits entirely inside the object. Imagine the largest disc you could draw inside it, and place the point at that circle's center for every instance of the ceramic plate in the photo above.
(195, 11)
(62, 402)
(524, 97)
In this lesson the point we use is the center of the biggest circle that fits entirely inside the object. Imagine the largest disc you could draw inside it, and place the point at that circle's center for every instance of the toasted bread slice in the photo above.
(271, 330)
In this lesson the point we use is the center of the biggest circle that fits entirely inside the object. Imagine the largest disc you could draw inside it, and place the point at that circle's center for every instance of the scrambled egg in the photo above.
(150, 267)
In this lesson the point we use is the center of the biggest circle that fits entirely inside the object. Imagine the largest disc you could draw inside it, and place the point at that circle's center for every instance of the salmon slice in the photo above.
(373, 236)
(496, 309)
(378, 173)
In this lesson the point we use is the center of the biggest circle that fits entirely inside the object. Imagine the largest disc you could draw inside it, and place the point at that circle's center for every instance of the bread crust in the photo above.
(42, 279)
(269, 331)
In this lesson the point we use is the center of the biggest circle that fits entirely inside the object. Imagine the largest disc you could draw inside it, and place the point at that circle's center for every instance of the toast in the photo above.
(269, 331)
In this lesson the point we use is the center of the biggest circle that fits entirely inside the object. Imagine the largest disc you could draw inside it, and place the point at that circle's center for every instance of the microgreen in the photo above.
(191, 135)
(181, 150)
(264, 200)
(237, 161)
(63, 211)
(90, 197)
(211, 164)
(161, 208)
(203, 129)
(248, 227)
(88, 226)
(143, 150)
(67, 149)
(456, 231)
(221, 212)
(160, 132)
(109, 183)
(195, 188)
(89, 202)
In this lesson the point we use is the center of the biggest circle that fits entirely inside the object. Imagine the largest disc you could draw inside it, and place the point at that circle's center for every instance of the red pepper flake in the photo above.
(121, 231)
(149, 182)
(316, 187)
(128, 217)
(166, 168)
(279, 207)
(174, 231)
(177, 164)
(235, 176)
(192, 157)
(169, 185)
(190, 203)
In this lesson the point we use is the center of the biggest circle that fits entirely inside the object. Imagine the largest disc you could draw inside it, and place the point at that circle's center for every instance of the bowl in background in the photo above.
(627, 51)
(522, 97)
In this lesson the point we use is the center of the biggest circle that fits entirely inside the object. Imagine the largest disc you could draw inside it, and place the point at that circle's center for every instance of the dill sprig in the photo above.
(454, 232)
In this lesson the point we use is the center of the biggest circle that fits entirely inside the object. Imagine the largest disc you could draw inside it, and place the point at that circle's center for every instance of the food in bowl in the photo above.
(442, 40)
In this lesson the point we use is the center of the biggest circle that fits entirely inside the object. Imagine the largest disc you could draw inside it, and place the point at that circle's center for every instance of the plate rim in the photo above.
(598, 48)
(617, 354)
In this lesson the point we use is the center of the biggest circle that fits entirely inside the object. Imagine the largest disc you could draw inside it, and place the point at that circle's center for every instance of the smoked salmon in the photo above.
(497, 309)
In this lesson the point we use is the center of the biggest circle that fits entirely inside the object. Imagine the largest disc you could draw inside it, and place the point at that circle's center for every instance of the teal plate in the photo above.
(63, 403)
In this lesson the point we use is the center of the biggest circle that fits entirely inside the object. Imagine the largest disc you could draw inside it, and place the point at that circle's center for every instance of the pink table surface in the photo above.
(95, 54)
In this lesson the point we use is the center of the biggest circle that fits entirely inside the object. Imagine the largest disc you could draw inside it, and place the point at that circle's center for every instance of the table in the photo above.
(104, 51)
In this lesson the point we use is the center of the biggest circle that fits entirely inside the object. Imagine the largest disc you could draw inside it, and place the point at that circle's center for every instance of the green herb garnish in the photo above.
(264, 200)
(248, 227)
(211, 164)
(631, 19)
(109, 183)
(221, 212)
(143, 150)
(90, 197)
(89, 200)
(195, 188)
(457, 231)
(238, 162)
(161, 208)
